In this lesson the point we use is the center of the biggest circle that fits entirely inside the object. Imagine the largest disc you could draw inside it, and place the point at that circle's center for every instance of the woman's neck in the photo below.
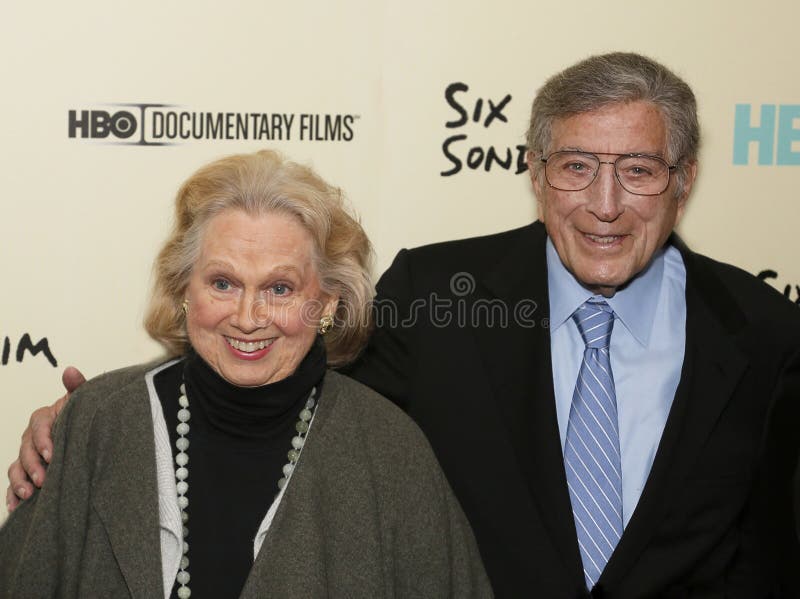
(249, 412)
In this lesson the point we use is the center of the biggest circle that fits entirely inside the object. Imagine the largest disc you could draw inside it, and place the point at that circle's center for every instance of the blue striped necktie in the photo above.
(591, 451)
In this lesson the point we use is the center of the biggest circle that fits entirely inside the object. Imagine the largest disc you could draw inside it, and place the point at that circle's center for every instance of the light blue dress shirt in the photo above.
(647, 347)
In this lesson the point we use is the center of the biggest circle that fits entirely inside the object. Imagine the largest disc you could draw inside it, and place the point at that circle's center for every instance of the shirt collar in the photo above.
(635, 305)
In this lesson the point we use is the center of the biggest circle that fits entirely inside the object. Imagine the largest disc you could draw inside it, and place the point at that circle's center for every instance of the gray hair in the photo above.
(619, 77)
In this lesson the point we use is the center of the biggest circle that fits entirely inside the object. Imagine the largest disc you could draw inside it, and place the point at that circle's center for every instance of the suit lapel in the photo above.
(125, 497)
(517, 359)
(711, 370)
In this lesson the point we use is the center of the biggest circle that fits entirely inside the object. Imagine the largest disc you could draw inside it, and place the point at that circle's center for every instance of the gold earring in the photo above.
(185, 306)
(325, 324)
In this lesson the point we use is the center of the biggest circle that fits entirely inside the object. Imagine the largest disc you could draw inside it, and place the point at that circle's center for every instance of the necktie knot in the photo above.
(595, 319)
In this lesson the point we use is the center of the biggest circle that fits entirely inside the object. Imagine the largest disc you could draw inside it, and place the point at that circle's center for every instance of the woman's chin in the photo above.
(249, 376)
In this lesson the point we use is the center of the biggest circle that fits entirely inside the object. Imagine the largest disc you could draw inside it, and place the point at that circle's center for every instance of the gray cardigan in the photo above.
(368, 512)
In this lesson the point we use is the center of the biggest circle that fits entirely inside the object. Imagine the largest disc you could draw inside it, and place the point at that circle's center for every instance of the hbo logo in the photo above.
(101, 124)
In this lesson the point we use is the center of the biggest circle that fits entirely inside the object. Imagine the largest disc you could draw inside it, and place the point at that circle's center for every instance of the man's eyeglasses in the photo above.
(639, 174)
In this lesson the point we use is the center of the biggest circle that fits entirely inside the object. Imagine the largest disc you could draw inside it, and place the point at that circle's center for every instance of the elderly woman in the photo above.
(242, 466)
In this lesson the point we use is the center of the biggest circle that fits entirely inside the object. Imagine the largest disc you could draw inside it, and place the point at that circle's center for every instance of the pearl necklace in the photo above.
(182, 472)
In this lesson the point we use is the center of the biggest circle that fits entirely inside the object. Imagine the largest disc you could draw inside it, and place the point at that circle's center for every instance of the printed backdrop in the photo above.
(417, 109)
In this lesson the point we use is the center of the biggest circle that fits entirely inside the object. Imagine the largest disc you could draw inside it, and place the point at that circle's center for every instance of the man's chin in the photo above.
(605, 291)
(605, 285)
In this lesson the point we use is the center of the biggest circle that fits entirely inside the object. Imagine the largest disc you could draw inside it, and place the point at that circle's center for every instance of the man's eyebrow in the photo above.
(582, 151)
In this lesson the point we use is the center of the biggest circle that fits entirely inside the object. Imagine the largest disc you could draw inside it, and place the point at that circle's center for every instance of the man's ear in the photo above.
(531, 159)
(688, 183)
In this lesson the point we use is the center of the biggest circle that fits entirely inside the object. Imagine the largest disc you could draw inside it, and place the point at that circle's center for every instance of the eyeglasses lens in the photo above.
(574, 171)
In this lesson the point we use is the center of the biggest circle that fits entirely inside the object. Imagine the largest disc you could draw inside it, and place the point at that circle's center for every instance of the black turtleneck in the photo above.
(238, 441)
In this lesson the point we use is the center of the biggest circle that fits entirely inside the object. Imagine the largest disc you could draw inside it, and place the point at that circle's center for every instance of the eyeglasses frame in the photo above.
(670, 168)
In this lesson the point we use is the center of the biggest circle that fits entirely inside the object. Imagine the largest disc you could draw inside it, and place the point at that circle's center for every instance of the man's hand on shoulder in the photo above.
(36, 449)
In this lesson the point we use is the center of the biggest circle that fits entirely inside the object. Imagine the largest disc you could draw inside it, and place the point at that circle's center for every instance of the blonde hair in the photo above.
(259, 183)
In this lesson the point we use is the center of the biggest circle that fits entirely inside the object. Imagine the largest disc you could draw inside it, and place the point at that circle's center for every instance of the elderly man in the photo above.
(616, 413)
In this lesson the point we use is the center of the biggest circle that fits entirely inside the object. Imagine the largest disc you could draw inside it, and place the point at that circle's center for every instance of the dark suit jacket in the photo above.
(714, 518)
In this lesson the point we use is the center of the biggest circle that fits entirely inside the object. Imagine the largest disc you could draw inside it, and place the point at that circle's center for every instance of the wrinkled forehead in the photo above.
(630, 127)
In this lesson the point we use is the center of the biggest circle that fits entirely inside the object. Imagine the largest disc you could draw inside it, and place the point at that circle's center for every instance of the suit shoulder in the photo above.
(430, 267)
(481, 248)
(765, 321)
(751, 293)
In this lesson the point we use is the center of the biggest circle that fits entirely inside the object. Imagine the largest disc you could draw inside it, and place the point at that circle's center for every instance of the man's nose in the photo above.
(606, 193)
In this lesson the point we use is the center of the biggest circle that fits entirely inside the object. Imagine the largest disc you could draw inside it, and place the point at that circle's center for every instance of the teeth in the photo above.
(598, 239)
(248, 346)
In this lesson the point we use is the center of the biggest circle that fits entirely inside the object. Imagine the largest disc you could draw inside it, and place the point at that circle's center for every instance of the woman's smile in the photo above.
(254, 297)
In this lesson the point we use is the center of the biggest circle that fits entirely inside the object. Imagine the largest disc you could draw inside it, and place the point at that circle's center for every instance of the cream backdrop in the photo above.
(82, 218)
